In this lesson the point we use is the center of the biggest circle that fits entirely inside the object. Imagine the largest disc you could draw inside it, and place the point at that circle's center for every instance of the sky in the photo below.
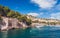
(37, 8)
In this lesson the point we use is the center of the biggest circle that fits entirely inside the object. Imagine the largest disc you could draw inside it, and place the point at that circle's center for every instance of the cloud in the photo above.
(35, 14)
(45, 3)
(55, 15)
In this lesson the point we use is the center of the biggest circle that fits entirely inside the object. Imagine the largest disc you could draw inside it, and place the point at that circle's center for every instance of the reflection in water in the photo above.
(4, 34)
(32, 33)
(11, 34)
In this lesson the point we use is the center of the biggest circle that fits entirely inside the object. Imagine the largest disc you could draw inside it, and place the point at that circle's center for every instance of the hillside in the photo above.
(11, 19)
(45, 21)
(6, 12)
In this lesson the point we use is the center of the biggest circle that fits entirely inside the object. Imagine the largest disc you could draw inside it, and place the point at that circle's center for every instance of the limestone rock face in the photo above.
(4, 23)
(9, 23)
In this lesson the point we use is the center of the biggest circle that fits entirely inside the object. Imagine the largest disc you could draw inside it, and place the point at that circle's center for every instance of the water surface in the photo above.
(45, 32)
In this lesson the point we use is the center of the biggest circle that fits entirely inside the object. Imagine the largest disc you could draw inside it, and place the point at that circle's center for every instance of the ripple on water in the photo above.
(46, 32)
(43, 32)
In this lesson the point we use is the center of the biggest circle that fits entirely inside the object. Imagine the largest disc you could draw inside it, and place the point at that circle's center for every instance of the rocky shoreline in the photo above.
(11, 23)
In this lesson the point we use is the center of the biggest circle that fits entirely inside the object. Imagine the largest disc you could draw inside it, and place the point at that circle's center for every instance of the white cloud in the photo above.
(45, 3)
(35, 14)
(55, 15)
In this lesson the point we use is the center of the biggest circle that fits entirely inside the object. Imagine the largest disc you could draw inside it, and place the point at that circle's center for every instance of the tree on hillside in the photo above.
(1, 10)
(23, 18)
(1, 7)
(28, 21)
(6, 10)
(17, 14)
(11, 14)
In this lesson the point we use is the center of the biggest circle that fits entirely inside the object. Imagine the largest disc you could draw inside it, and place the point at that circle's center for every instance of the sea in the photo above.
(35, 32)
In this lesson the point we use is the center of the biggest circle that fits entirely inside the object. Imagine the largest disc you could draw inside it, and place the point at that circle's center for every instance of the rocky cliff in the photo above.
(9, 23)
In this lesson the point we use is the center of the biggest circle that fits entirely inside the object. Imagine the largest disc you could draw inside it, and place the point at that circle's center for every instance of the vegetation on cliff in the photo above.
(6, 12)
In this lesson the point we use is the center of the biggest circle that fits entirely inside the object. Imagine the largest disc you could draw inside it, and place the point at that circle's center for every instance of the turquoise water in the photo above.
(45, 32)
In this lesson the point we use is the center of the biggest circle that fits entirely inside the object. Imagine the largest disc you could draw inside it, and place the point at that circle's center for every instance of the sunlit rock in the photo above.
(9, 23)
